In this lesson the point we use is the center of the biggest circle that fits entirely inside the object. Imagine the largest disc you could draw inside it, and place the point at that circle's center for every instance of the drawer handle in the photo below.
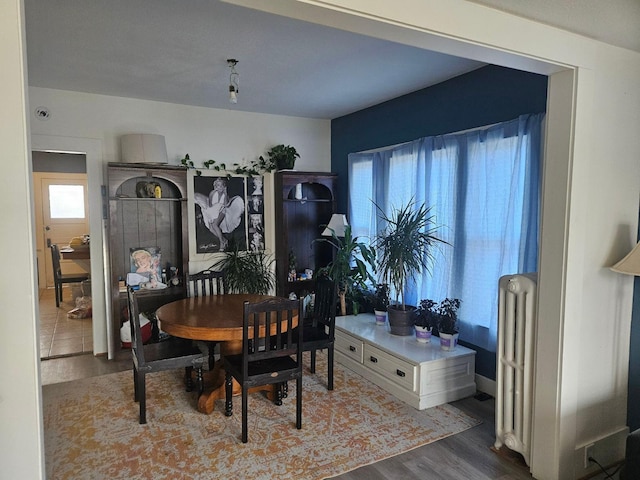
(352, 348)
(400, 373)
(373, 359)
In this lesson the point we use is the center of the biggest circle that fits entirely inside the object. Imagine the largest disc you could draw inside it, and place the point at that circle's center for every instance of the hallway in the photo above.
(61, 336)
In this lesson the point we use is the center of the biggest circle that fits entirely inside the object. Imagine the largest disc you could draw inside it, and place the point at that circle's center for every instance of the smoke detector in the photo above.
(42, 113)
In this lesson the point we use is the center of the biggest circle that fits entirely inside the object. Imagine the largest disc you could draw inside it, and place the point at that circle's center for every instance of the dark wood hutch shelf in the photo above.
(146, 222)
(298, 224)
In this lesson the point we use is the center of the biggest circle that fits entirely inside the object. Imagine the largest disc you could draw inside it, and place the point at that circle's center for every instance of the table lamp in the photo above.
(338, 223)
(629, 265)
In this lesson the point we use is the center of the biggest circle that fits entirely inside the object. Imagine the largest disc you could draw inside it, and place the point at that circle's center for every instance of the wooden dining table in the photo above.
(215, 318)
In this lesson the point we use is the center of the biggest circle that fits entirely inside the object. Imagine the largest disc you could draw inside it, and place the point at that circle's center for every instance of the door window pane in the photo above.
(66, 201)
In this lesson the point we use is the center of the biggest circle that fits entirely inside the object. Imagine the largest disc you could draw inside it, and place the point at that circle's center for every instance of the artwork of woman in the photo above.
(220, 214)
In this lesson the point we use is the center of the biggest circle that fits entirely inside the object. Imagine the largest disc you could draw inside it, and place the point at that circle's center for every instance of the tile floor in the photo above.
(59, 335)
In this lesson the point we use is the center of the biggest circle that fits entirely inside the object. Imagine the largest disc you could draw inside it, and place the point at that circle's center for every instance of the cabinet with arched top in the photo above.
(304, 204)
(141, 215)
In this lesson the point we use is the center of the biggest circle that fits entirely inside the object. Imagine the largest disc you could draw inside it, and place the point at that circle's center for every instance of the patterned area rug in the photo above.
(92, 431)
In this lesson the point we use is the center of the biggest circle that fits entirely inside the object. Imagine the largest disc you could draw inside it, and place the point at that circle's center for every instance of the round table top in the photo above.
(213, 318)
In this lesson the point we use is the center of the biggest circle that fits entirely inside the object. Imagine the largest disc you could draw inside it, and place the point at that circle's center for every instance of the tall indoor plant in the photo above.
(405, 248)
(351, 265)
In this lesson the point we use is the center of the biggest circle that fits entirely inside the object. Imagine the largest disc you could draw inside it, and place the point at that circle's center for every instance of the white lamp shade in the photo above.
(143, 148)
(338, 223)
(630, 264)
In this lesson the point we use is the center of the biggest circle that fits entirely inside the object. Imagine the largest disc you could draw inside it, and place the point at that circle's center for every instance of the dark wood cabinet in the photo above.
(139, 221)
(304, 203)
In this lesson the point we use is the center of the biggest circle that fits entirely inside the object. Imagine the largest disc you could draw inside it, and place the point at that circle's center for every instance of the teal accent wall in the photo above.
(484, 96)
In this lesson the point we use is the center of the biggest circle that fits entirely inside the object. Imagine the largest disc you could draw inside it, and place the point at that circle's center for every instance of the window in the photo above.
(66, 201)
(483, 187)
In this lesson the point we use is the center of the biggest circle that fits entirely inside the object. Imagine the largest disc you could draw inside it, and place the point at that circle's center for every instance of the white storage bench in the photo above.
(419, 374)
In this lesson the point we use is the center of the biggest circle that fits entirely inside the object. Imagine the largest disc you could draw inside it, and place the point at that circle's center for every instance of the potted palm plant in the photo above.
(405, 248)
(448, 323)
(426, 318)
(349, 265)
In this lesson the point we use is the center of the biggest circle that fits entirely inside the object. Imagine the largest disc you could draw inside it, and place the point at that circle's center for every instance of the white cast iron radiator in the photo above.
(515, 362)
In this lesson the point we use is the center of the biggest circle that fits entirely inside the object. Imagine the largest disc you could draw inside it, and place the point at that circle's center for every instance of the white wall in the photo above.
(596, 201)
(204, 133)
(21, 439)
(79, 120)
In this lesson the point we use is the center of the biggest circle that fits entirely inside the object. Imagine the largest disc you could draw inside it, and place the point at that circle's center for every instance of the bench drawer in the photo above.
(349, 346)
(392, 368)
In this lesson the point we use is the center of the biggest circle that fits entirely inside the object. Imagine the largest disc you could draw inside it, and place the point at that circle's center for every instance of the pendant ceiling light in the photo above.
(234, 78)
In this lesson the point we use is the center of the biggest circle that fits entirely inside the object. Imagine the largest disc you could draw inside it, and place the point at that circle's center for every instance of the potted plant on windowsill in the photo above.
(381, 303)
(426, 318)
(405, 248)
(448, 323)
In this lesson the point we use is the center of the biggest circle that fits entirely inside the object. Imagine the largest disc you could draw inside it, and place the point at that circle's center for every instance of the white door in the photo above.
(62, 212)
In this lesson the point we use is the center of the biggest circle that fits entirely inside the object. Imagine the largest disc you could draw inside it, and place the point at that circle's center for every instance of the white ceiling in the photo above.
(175, 51)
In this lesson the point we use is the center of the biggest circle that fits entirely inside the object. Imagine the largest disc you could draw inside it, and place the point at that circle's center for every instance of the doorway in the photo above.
(60, 202)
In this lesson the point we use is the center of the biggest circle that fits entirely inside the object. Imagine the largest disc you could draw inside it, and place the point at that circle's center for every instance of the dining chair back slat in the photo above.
(205, 283)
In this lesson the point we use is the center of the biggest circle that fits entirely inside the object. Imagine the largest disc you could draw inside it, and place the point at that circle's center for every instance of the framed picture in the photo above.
(227, 210)
(145, 261)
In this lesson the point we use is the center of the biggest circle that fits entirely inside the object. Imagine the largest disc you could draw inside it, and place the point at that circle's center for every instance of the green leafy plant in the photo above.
(448, 316)
(381, 297)
(427, 314)
(349, 266)
(405, 246)
(247, 271)
(279, 157)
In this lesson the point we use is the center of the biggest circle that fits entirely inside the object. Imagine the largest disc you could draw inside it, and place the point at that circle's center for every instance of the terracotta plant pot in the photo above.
(401, 321)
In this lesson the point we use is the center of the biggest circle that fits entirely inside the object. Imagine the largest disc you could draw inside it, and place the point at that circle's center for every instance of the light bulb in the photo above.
(233, 96)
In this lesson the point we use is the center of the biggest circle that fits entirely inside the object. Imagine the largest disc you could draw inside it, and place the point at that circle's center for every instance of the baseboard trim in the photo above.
(486, 385)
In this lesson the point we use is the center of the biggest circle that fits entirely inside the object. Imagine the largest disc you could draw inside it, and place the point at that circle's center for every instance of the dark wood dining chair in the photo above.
(207, 282)
(320, 326)
(59, 278)
(278, 360)
(170, 354)
(202, 284)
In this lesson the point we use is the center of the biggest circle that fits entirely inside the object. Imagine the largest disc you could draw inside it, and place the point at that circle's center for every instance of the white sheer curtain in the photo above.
(483, 186)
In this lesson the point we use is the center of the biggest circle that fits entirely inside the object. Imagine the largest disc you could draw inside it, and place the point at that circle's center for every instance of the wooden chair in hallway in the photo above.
(59, 278)
(205, 283)
(155, 357)
(278, 360)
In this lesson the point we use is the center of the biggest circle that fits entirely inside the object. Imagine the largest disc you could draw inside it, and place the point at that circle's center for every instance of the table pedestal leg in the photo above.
(215, 381)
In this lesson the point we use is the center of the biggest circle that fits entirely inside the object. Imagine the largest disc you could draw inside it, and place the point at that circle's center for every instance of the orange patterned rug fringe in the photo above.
(92, 431)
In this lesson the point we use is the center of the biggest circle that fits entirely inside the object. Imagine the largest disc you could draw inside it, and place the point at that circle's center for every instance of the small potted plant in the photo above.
(380, 303)
(426, 319)
(448, 323)
(280, 157)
